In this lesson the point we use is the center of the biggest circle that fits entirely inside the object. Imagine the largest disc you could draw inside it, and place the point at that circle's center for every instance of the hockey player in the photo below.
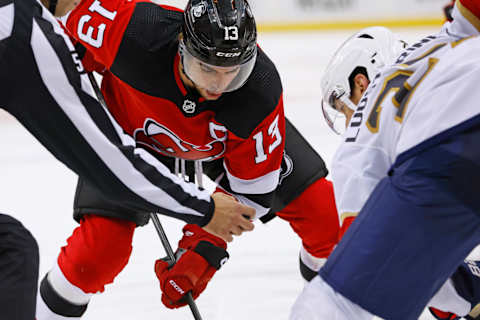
(411, 149)
(344, 82)
(42, 87)
(348, 75)
(193, 86)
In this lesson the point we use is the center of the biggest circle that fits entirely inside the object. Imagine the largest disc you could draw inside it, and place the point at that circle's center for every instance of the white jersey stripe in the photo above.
(55, 81)
(65, 288)
(6, 21)
(264, 184)
(260, 211)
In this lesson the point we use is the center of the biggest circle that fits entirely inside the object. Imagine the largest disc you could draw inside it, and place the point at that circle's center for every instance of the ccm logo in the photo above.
(228, 54)
(176, 287)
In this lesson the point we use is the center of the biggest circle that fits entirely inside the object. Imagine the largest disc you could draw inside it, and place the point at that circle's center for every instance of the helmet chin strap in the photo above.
(52, 6)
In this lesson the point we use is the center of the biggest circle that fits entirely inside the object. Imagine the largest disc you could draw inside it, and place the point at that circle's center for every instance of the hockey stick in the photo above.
(171, 255)
(155, 219)
(166, 243)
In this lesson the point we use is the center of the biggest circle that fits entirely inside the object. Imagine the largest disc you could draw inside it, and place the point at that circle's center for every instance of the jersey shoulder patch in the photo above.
(243, 110)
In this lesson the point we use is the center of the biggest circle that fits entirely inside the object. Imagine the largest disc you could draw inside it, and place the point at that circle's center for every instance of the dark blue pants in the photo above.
(18, 270)
(418, 225)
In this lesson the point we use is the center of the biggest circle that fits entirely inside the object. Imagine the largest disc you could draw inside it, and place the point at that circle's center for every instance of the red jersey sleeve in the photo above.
(253, 164)
(99, 25)
(470, 10)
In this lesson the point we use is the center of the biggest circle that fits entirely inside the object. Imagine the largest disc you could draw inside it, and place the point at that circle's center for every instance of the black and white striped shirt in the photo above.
(40, 84)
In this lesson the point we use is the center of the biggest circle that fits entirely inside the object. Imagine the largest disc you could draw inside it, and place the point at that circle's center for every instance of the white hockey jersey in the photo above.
(433, 87)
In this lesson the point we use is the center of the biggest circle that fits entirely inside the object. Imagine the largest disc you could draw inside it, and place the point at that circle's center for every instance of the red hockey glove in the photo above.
(440, 315)
(199, 255)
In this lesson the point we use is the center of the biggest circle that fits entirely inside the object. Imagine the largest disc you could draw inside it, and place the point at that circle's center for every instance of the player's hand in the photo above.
(230, 217)
(199, 255)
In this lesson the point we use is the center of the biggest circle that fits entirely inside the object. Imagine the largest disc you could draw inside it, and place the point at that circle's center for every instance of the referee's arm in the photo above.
(82, 134)
(41, 86)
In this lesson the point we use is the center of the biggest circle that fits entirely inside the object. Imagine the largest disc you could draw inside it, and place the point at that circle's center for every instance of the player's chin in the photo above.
(209, 95)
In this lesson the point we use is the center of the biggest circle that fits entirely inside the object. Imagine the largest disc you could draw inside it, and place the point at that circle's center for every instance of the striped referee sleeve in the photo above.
(61, 111)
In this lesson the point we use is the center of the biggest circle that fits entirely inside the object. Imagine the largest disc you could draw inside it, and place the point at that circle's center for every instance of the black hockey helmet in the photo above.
(220, 32)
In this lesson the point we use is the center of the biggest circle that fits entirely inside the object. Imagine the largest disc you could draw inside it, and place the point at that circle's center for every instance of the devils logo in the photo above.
(161, 139)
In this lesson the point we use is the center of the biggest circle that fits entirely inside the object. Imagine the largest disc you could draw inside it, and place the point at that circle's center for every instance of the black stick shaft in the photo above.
(171, 255)
(155, 219)
(163, 236)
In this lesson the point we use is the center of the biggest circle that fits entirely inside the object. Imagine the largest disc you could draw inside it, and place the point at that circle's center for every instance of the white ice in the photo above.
(261, 280)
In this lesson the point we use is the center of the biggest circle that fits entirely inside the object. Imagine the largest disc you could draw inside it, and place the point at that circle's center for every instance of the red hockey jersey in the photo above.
(137, 42)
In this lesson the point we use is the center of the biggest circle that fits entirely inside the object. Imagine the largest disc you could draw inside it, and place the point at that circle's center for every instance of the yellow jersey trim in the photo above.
(346, 215)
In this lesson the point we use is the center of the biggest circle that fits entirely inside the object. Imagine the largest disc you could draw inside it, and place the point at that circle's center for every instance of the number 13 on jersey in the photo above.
(274, 132)
(88, 34)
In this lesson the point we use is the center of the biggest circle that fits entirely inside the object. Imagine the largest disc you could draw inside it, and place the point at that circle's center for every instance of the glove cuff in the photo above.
(192, 234)
(214, 255)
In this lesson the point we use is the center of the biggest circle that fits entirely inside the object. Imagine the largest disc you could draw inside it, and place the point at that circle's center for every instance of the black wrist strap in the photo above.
(214, 255)
(52, 6)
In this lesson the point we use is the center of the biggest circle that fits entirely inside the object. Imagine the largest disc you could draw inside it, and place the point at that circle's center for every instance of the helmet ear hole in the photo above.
(351, 78)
